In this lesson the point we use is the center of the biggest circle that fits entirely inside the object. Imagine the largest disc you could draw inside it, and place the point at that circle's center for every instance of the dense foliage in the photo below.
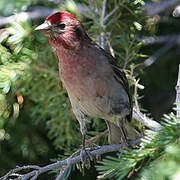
(36, 121)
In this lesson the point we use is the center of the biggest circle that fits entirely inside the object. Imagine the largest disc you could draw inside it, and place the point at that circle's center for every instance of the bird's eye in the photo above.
(61, 26)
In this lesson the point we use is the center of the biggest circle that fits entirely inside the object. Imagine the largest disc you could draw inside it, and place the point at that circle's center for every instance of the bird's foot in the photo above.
(127, 143)
(85, 155)
(94, 146)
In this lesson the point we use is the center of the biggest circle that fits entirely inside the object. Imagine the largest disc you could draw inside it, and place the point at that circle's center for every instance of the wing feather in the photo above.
(120, 76)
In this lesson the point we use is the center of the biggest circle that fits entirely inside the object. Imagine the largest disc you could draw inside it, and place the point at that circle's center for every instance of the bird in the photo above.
(96, 85)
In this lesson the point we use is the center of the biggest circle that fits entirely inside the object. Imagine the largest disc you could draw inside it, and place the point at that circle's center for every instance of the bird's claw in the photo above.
(127, 143)
(93, 144)
(85, 155)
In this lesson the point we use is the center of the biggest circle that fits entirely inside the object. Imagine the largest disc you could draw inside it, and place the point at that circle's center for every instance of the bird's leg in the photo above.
(123, 134)
(83, 139)
(95, 146)
(83, 119)
(85, 154)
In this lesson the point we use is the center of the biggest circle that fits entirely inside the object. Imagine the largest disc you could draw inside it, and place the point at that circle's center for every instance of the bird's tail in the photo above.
(115, 131)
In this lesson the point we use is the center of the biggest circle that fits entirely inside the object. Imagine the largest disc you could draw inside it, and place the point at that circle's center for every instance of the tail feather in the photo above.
(115, 136)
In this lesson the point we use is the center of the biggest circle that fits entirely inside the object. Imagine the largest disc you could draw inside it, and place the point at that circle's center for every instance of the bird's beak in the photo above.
(44, 28)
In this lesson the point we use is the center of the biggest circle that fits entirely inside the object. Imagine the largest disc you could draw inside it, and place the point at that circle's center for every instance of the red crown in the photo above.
(60, 17)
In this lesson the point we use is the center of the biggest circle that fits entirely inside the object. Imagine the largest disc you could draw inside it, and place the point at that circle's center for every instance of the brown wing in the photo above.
(119, 74)
(121, 78)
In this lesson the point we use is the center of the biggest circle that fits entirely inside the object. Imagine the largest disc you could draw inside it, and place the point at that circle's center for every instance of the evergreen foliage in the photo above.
(156, 157)
(36, 121)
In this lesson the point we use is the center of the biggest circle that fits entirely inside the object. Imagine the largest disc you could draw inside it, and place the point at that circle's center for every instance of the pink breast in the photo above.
(78, 78)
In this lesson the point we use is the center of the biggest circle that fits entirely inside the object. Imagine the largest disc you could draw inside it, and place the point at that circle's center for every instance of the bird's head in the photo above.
(63, 29)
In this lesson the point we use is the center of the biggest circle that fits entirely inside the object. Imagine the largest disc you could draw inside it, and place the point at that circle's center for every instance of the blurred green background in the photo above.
(37, 125)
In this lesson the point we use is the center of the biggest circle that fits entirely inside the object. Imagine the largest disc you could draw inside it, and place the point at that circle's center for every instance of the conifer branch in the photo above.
(37, 12)
(146, 121)
(157, 7)
(63, 165)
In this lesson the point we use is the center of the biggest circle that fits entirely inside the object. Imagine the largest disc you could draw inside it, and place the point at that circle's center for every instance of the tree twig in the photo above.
(103, 13)
(102, 34)
(139, 116)
(63, 172)
(35, 13)
(155, 8)
(38, 12)
(67, 162)
(178, 94)
(113, 11)
(156, 55)
(173, 38)
(146, 121)
(17, 169)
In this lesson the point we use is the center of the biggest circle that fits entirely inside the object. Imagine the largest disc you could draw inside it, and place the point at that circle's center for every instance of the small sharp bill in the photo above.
(43, 27)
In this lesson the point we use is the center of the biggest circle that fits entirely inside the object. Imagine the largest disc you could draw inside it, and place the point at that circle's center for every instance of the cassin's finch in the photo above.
(96, 85)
